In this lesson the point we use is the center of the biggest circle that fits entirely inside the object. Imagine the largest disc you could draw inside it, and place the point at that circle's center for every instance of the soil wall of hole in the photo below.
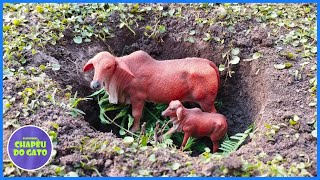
(238, 96)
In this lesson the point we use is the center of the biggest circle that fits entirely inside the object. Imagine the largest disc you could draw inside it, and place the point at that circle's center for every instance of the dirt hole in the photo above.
(237, 96)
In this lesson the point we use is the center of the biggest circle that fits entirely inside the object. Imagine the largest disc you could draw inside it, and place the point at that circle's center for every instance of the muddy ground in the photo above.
(257, 93)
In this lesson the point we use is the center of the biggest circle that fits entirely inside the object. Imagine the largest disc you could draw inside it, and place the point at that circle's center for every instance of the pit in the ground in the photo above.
(234, 100)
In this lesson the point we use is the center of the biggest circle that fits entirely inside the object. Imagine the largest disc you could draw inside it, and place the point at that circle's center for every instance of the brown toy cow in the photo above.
(195, 123)
(137, 77)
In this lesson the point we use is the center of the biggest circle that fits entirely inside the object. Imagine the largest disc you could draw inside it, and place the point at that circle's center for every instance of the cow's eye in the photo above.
(108, 67)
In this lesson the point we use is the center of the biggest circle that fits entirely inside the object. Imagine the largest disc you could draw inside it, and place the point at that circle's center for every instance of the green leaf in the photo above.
(122, 113)
(103, 119)
(292, 122)
(175, 166)
(288, 64)
(160, 8)
(8, 170)
(121, 25)
(207, 38)
(122, 132)
(221, 67)
(16, 22)
(55, 67)
(235, 60)
(283, 66)
(71, 174)
(148, 28)
(97, 92)
(144, 140)
(55, 125)
(312, 104)
(235, 51)
(7, 73)
(314, 133)
(190, 39)
(291, 55)
(171, 12)
(77, 39)
(128, 140)
(162, 29)
(144, 172)
(229, 146)
(256, 55)
(192, 32)
(152, 158)
(39, 9)
(131, 119)
(279, 66)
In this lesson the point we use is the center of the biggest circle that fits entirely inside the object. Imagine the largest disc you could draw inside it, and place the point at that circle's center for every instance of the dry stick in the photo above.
(163, 127)
(155, 117)
(112, 121)
(143, 129)
(155, 136)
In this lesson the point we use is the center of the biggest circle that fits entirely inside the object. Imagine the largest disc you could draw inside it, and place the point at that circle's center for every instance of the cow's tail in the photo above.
(217, 72)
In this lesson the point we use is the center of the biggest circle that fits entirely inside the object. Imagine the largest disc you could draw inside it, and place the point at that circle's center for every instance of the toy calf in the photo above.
(195, 123)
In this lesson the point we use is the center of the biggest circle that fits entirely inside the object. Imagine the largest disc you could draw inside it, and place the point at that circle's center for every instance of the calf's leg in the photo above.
(215, 142)
(215, 147)
(185, 139)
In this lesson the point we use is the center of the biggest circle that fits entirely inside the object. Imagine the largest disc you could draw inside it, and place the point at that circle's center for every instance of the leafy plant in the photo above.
(73, 103)
(231, 58)
(231, 144)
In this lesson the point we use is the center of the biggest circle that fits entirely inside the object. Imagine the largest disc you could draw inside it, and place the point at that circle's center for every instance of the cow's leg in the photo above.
(137, 108)
(208, 106)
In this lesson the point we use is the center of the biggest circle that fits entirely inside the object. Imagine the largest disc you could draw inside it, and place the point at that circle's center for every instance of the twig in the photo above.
(163, 127)
(113, 122)
(96, 170)
(155, 135)
(142, 132)
(143, 129)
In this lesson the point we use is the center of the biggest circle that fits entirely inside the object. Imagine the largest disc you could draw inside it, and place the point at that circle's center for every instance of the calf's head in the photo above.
(174, 110)
(105, 66)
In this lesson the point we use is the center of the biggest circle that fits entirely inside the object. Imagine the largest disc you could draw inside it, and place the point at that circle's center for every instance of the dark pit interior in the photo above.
(238, 103)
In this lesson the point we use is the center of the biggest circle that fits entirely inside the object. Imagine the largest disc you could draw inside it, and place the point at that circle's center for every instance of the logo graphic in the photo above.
(29, 148)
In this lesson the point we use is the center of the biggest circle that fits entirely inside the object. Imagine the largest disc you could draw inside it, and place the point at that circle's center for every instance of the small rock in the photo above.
(108, 163)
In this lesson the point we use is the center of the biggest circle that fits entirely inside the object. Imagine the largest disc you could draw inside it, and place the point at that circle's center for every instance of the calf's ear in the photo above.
(88, 66)
(179, 113)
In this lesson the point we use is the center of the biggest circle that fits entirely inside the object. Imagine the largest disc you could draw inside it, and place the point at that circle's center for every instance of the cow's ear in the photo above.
(88, 66)
(124, 69)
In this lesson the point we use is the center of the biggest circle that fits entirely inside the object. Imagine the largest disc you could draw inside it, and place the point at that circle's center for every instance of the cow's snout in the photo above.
(95, 85)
